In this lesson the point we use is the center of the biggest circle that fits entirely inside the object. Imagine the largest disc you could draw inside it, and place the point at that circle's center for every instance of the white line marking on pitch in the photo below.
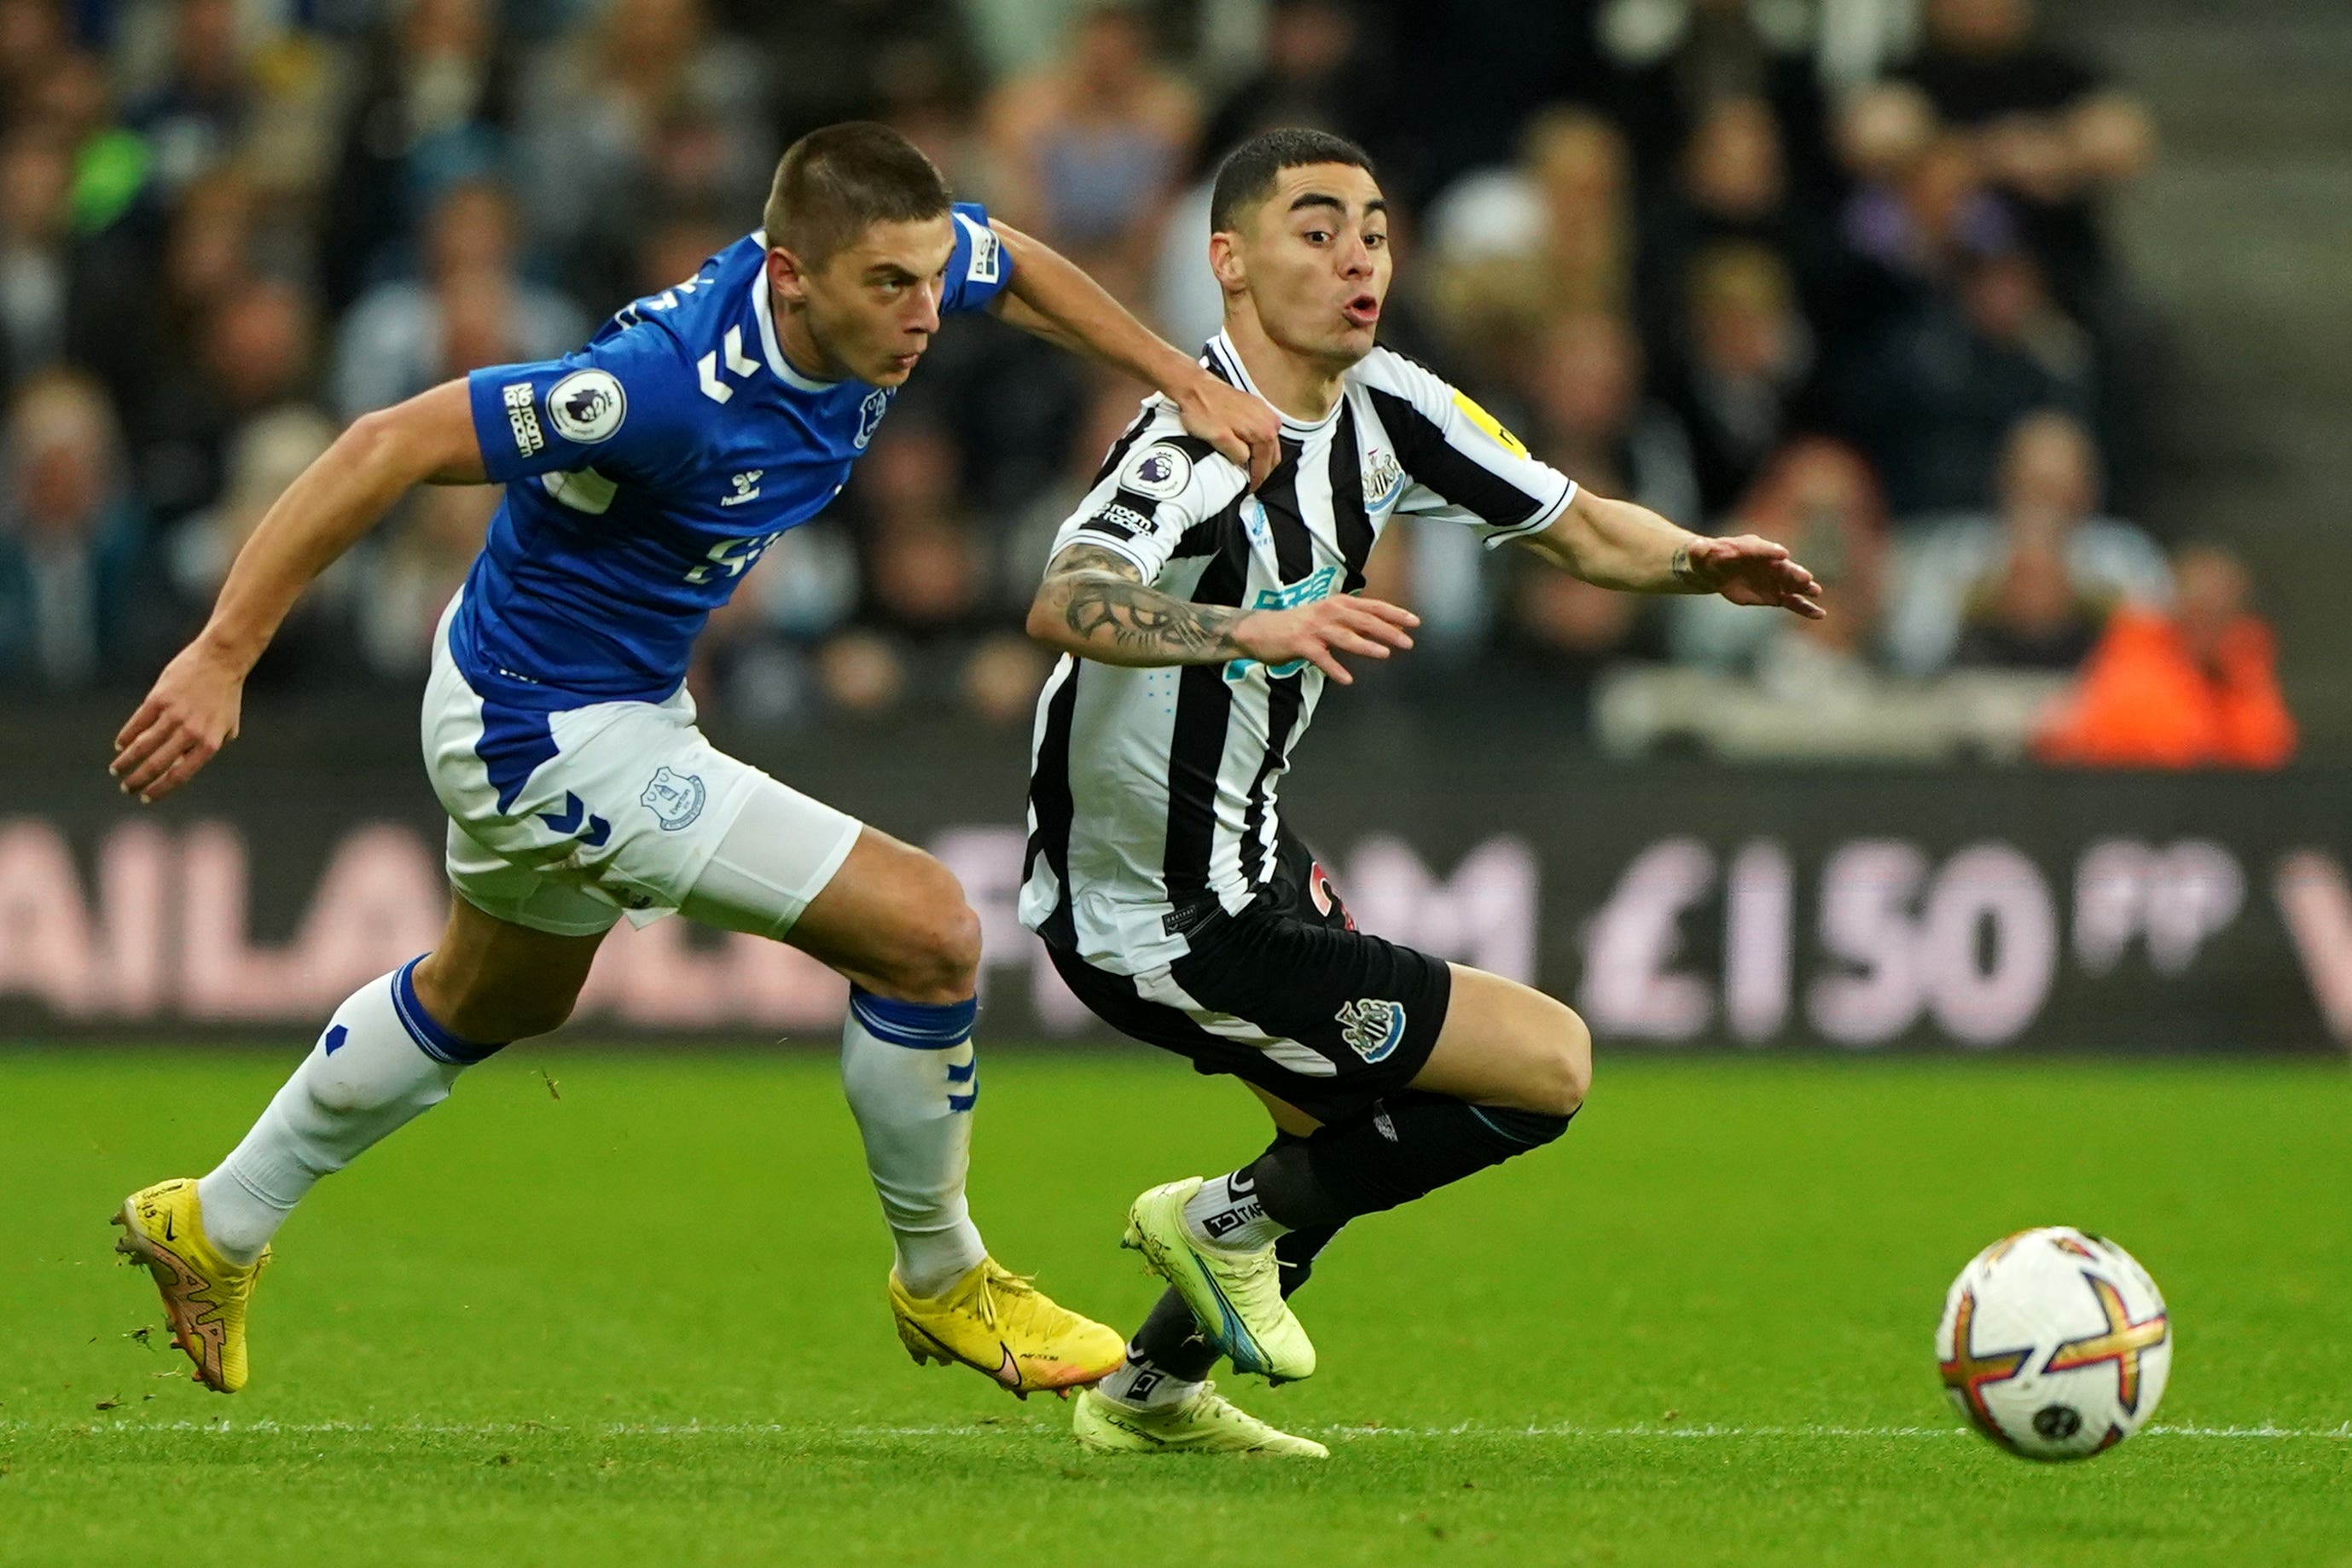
(225, 1428)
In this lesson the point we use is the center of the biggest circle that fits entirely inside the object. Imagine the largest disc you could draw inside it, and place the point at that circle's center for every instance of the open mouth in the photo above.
(1363, 310)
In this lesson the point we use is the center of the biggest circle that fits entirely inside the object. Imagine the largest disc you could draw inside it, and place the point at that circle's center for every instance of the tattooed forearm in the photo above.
(1109, 614)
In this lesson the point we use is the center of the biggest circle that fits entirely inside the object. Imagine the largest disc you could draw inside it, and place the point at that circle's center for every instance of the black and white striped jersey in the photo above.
(1152, 792)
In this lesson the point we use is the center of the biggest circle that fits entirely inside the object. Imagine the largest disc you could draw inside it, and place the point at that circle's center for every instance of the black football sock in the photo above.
(1410, 1145)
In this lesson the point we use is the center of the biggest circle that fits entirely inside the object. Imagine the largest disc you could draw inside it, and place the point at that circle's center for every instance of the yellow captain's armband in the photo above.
(1490, 424)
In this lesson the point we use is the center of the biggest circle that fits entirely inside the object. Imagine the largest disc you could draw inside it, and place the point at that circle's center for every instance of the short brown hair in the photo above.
(832, 183)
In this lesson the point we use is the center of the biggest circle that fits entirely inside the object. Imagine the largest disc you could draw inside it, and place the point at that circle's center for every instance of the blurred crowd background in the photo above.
(1842, 272)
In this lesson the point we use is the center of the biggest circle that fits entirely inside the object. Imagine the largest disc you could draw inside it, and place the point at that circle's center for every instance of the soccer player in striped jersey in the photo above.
(1201, 621)
(645, 475)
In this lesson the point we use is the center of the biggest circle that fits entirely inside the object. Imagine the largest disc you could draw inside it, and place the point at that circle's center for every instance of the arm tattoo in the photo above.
(1681, 570)
(1105, 601)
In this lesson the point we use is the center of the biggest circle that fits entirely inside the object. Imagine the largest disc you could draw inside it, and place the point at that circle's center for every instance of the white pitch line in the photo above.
(226, 1427)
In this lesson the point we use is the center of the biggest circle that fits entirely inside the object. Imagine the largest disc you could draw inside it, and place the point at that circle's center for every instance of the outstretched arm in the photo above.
(1617, 544)
(1094, 604)
(192, 711)
(1052, 297)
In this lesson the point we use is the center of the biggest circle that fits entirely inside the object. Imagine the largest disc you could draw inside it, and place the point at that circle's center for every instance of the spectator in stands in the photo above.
(1513, 246)
(1732, 183)
(1670, 63)
(649, 109)
(1091, 150)
(469, 309)
(1820, 498)
(1743, 380)
(933, 612)
(36, 179)
(194, 118)
(1951, 377)
(255, 350)
(1587, 418)
(268, 453)
(434, 102)
(1312, 74)
(2030, 583)
(418, 565)
(2055, 136)
(33, 39)
(2197, 688)
(69, 535)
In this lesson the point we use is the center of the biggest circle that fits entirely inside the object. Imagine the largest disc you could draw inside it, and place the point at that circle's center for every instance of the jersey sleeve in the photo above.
(1460, 464)
(624, 406)
(979, 266)
(1158, 485)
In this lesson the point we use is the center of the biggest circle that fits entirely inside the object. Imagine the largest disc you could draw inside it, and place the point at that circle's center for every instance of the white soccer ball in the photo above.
(2054, 1343)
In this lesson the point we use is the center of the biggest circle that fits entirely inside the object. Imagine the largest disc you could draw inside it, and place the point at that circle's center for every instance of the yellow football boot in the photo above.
(1236, 1296)
(205, 1295)
(999, 1323)
(1207, 1423)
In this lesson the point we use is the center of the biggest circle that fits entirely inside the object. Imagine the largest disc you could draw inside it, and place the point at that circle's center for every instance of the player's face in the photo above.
(873, 306)
(1315, 255)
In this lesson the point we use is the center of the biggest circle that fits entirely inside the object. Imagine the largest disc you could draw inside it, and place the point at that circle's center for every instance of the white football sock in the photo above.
(381, 1063)
(908, 1071)
(1140, 1385)
(1225, 1213)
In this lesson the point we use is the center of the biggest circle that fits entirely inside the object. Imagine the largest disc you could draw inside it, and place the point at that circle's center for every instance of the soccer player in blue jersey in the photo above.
(645, 475)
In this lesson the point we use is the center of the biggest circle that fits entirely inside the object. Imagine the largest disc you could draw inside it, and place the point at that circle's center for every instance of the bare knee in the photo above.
(1561, 1065)
(481, 1010)
(932, 952)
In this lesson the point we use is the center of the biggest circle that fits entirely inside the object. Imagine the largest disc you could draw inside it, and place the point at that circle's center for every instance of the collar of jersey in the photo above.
(1221, 350)
(761, 308)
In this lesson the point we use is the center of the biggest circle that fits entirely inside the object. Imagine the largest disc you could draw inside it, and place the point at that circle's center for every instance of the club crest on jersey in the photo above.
(1372, 1026)
(1159, 471)
(1383, 476)
(869, 415)
(676, 798)
(587, 406)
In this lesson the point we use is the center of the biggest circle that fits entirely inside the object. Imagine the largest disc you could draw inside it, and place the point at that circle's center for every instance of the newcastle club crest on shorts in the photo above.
(1372, 1026)
(676, 798)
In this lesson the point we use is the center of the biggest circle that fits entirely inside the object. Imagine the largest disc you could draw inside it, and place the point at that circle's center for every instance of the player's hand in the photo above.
(1240, 424)
(189, 716)
(1318, 633)
(1747, 570)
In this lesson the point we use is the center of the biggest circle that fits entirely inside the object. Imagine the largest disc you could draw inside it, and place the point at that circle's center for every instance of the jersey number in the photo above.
(737, 555)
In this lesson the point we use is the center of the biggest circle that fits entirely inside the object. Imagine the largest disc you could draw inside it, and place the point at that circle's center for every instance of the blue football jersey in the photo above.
(646, 474)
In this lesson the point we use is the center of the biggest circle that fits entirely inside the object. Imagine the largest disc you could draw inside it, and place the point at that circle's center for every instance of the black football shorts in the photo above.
(1288, 995)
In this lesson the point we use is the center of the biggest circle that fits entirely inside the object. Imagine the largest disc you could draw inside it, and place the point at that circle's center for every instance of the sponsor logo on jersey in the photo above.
(523, 419)
(1372, 1026)
(1124, 521)
(747, 488)
(1383, 476)
(987, 252)
(1289, 596)
(587, 406)
(1159, 471)
(869, 415)
(676, 798)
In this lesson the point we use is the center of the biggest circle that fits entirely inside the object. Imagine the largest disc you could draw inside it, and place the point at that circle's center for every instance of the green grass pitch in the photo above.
(642, 1322)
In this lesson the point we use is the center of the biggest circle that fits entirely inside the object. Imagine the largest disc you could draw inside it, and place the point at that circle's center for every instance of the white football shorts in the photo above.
(563, 822)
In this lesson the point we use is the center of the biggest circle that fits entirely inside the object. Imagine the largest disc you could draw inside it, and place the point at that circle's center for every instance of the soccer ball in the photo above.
(2054, 1343)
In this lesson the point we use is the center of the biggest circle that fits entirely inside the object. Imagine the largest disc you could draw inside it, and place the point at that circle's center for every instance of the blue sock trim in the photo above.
(917, 1026)
(431, 1039)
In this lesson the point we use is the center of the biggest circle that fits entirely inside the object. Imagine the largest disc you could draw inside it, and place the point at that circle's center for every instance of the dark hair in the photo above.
(1248, 171)
(833, 183)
